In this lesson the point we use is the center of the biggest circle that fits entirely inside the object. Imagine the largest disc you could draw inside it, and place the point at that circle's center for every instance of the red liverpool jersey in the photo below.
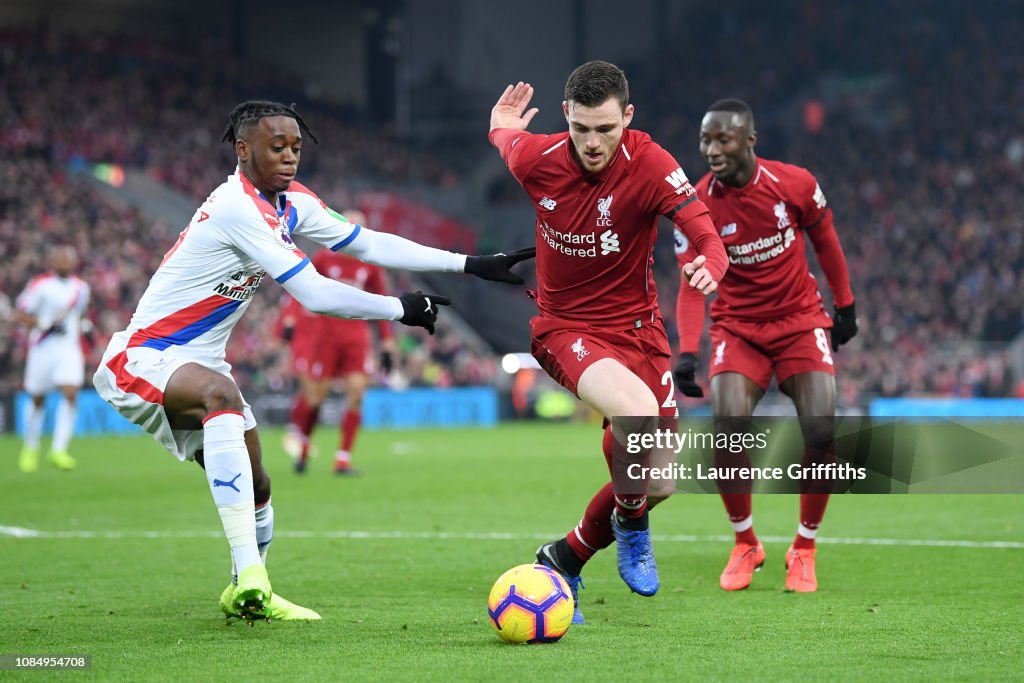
(762, 225)
(596, 231)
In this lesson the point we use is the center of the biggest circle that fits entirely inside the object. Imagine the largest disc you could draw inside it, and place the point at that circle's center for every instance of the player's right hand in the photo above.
(699, 277)
(421, 309)
(508, 111)
(387, 362)
(686, 376)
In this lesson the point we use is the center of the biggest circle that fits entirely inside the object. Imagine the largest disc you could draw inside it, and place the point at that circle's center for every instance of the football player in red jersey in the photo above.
(768, 318)
(325, 349)
(599, 190)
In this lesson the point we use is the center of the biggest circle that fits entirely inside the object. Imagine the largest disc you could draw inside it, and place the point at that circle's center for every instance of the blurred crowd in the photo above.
(919, 151)
(65, 100)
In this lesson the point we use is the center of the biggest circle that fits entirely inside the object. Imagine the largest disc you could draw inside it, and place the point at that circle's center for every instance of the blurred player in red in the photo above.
(768, 318)
(599, 190)
(325, 349)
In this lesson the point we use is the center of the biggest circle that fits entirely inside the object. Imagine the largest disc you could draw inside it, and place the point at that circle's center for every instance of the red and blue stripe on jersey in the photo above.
(177, 329)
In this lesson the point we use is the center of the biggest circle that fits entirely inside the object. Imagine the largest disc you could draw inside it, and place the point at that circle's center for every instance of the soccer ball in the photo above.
(530, 603)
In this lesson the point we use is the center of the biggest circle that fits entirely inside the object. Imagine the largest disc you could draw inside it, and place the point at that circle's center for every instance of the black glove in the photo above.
(55, 329)
(685, 375)
(387, 362)
(844, 325)
(421, 309)
(287, 333)
(496, 267)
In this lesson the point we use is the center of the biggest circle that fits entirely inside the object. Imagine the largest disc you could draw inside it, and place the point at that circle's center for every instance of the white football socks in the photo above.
(230, 477)
(34, 425)
(64, 425)
(264, 529)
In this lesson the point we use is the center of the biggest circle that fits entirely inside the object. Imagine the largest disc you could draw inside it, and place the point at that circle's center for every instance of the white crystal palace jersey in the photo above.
(55, 301)
(208, 278)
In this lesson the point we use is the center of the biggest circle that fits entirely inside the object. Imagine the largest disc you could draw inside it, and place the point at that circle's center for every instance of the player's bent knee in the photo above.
(220, 393)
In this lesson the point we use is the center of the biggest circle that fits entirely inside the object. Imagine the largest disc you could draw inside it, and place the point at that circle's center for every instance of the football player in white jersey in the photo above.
(53, 305)
(167, 372)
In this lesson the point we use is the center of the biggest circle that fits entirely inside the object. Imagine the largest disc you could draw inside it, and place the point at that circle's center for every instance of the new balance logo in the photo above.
(729, 229)
(579, 350)
(548, 203)
(609, 242)
(229, 484)
(679, 181)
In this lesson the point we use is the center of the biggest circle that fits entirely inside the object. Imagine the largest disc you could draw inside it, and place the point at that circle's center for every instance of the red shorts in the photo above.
(329, 361)
(565, 348)
(789, 346)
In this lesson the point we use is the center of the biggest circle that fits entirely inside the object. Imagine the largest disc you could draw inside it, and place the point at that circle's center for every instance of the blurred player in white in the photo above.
(53, 304)
(167, 372)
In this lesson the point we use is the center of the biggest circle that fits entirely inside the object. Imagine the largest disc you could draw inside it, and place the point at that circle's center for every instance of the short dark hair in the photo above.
(594, 82)
(250, 112)
(735, 106)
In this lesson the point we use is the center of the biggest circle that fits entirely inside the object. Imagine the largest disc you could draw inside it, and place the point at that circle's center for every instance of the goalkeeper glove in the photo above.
(496, 267)
(844, 325)
(421, 309)
(685, 375)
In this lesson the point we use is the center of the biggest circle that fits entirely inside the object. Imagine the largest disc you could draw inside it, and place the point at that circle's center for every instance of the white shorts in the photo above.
(54, 363)
(134, 380)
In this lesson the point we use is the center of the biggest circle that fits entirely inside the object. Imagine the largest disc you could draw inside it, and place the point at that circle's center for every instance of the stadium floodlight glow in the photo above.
(111, 174)
(514, 362)
(510, 363)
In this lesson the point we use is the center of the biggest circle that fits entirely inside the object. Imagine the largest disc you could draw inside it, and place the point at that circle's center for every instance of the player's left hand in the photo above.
(508, 111)
(699, 277)
(844, 325)
(496, 267)
(685, 375)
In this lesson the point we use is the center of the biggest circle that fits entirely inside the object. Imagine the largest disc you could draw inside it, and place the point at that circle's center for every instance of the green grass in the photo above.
(414, 608)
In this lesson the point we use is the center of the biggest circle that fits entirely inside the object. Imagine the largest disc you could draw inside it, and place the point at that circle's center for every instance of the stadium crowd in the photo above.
(65, 100)
(920, 154)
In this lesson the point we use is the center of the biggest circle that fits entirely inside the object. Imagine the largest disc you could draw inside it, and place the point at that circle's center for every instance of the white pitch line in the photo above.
(22, 532)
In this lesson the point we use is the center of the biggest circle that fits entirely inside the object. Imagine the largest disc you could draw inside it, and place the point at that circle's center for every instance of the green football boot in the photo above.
(280, 609)
(62, 460)
(28, 460)
(251, 598)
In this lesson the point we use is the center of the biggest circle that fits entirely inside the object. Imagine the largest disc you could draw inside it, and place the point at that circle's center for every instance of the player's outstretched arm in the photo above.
(327, 297)
(510, 111)
(392, 251)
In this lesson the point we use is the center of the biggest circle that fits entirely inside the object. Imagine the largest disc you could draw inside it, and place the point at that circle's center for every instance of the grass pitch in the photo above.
(399, 562)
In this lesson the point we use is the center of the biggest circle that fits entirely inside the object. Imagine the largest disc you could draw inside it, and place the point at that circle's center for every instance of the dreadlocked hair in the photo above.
(249, 113)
